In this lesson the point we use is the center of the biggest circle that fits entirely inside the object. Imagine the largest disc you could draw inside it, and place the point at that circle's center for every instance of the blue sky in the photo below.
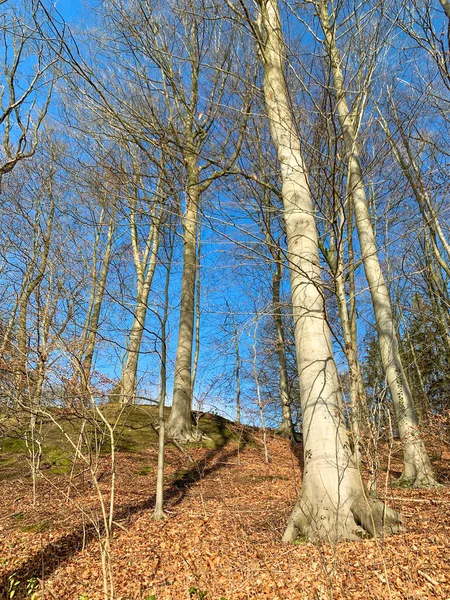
(69, 9)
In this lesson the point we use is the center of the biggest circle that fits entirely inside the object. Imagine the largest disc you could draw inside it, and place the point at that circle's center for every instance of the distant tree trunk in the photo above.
(159, 513)
(33, 278)
(417, 469)
(145, 266)
(286, 428)
(198, 297)
(412, 174)
(90, 333)
(179, 425)
(333, 503)
(358, 401)
(258, 392)
(237, 364)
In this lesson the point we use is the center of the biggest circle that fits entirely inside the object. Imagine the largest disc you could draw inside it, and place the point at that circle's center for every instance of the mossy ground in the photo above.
(135, 432)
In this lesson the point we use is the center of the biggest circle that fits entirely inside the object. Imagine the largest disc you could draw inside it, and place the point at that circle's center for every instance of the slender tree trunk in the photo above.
(34, 280)
(358, 404)
(179, 425)
(286, 428)
(332, 504)
(159, 513)
(258, 392)
(145, 270)
(237, 365)
(417, 469)
(198, 297)
(93, 317)
(412, 174)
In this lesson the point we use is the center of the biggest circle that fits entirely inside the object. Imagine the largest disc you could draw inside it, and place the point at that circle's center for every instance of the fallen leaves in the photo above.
(222, 537)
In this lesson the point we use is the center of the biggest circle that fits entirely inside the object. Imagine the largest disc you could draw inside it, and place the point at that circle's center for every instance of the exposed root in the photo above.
(159, 515)
(183, 436)
(374, 517)
(420, 480)
(365, 518)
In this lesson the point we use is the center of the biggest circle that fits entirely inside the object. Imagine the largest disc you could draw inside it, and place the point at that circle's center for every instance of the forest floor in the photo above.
(226, 513)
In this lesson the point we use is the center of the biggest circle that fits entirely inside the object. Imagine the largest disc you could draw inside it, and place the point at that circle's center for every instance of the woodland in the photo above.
(225, 299)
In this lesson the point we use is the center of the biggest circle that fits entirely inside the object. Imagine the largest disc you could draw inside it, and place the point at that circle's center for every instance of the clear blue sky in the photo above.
(69, 9)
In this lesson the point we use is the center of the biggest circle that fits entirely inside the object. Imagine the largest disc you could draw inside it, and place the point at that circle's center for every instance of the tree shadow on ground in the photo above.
(58, 553)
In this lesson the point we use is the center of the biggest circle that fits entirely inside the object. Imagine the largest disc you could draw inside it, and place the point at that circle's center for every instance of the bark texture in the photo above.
(179, 425)
(417, 469)
(333, 504)
(145, 270)
(286, 428)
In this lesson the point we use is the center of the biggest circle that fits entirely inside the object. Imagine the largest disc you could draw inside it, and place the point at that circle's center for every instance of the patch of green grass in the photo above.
(133, 432)
(301, 541)
(145, 470)
(60, 463)
(14, 445)
(38, 527)
(8, 461)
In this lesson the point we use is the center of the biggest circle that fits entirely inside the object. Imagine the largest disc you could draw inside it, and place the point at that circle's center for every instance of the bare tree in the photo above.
(417, 469)
(333, 503)
(26, 89)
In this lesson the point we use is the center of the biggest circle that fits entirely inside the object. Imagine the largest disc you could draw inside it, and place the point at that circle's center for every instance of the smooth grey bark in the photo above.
(286, 428)
(90, 332)
(417, 470)
(332, 504)
(159, 513)
(145, 265)
(179, 425)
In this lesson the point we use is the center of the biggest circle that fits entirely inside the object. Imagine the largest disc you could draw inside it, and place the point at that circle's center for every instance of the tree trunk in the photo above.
(34, 280)
(93, 317)
(179, 425)
(129, 373)
(333, 504)
(286, 428)
(358, 402)
(145, 266)
(159, 513)
(417, 469)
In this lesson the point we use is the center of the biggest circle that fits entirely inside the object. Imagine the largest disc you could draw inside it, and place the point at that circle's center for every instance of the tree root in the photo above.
(366, 517)
(418, 481)
(184, 436)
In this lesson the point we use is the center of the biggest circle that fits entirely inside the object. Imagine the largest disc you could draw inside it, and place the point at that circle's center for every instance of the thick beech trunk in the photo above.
(179, 425)
(417, 469)
(333, 504)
